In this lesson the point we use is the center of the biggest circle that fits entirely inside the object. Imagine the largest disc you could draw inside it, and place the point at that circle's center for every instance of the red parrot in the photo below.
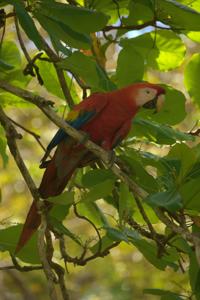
(106, 118)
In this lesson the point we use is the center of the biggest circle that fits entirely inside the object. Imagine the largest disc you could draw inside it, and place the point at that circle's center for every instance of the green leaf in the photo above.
(98, 191)
(130, 67)
(105, 243)
(194, 4)
(167, 294)
(4, 66)
(139, 174)
(3, 3)
(3, 144)
(110, 7)
(27, 23)
(66, 198)
(49, 76)
(149, 212)
(171, 200)
(125, 202)
(89, 71)
(174, 102)
(140, 12)
(194, 275)
(61, 229)
(60, 47)
(9, 55)
(177, 15)
(195, 171)
(180, 243)
(94, 177)
(190, 192)
(93, 212)
(191, 77)
(79, 19)
(51, 83)
(162, 50)
(186, 155)
(194, 36)
(149, 250)
(156, 132)
(64, 33)
(116, 235)
(8, 241)
(60, 211)
(7, 99)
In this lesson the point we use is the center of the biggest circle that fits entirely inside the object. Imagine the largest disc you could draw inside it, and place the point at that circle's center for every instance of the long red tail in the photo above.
(59, 170)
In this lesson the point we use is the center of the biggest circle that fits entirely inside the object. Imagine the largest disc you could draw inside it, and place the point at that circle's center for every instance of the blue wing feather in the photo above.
(60, 135)
(77, 118)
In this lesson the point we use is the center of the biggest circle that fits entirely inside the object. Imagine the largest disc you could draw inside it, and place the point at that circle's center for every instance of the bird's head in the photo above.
(149, 95)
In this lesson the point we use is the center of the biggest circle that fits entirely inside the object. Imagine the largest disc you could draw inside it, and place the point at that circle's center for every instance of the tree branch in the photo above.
(12, 135)
(60, 74)
(35, 135)
(129, 27)
(186, 234)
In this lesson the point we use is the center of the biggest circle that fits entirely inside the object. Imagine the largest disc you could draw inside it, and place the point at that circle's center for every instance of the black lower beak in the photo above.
(151, 104)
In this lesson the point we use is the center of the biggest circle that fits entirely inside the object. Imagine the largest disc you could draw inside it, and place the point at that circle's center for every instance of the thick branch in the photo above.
(12, 135)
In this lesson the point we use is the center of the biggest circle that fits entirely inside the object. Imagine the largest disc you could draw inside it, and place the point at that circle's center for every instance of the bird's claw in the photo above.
(44, 164)
(111, 158)
(85, 137)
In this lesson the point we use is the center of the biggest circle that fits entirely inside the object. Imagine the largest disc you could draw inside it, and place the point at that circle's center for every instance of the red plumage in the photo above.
(110, 122)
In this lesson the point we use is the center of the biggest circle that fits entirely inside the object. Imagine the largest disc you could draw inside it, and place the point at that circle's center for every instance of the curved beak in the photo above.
(157, 102)
(160, 102)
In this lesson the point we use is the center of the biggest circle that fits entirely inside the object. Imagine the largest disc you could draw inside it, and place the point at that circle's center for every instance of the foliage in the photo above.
(62, 53)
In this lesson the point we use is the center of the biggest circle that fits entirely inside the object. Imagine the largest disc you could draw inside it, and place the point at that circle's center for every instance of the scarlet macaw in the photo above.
(106, 118)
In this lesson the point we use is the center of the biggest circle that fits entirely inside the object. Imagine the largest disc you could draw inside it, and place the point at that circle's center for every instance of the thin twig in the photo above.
(128, 27)
(145, 217)
(143, 231)
(3, 19)
(186, 234)
(195, 133)
(21, 269)
(35, 135)
(42, 247)
(60, 75)
(91, 223)
(56, 267)
(21, 42)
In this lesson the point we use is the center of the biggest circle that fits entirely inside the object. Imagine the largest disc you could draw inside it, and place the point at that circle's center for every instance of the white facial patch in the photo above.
(145, 95)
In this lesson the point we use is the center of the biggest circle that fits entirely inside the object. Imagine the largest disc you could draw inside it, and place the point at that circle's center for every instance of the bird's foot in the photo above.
(110, 159)
(85, 137)
(44, 164)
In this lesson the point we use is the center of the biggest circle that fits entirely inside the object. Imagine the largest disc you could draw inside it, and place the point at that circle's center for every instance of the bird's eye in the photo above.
(148, 92)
